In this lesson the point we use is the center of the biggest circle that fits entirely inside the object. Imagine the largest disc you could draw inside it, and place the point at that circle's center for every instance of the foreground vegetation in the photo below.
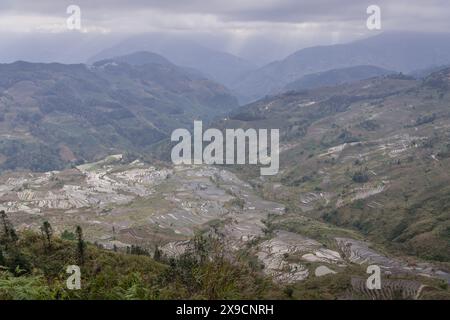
(33, 266)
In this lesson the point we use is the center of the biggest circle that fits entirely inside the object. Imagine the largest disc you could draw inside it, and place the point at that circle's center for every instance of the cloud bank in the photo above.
(261, 30)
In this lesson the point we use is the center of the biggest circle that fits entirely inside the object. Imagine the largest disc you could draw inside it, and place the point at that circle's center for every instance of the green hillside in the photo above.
(54, 115)
(33, 266)
(372, 156)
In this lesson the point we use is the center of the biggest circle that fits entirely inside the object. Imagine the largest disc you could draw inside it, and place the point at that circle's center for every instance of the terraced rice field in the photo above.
(121, 204)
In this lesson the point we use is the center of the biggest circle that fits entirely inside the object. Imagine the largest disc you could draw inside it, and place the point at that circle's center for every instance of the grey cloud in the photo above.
(260, 30)
(237, 10)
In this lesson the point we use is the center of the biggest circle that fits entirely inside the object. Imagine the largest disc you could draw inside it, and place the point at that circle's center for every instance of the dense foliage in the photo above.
(33, 266)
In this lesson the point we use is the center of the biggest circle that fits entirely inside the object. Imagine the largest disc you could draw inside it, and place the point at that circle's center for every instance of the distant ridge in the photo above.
(221, 67)
(336, 77)
(398, 51)
(140, 58)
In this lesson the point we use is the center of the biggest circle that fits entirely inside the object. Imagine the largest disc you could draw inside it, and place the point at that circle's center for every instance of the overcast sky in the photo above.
(260, 30)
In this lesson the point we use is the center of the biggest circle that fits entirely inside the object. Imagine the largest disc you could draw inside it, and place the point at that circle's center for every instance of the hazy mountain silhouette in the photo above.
(398, 51)
(219, 66)
(336, 77)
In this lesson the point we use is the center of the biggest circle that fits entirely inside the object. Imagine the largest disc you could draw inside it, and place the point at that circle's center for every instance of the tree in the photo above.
(8, 234)
(47, 232)
(137, 250)
(360, 177)
(2, 258)
(68, 235)
(81, 246)
(157, 256)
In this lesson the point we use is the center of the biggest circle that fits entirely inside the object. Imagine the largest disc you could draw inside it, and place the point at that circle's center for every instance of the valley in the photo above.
(363, 174)
(374, 163)
(120, 204)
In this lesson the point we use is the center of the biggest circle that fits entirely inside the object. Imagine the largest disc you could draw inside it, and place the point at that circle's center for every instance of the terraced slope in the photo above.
(120, 204)
(372, 156)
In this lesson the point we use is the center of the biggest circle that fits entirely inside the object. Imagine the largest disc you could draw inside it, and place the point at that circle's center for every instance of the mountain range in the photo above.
(219, 66)
(54, 114)
(371, 155)
(399, 51)
(363, 179)
(335, 77)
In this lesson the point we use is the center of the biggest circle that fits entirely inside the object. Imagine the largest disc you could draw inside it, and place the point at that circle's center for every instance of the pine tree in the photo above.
(2, 258)
(157, 255)
(47, 232)
(8, 234)
(80, 245)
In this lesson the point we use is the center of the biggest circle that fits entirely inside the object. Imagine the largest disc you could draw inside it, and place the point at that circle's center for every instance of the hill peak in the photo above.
(138, 58)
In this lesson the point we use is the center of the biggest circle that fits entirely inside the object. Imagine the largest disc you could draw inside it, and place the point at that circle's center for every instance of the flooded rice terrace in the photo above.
(122, 204)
